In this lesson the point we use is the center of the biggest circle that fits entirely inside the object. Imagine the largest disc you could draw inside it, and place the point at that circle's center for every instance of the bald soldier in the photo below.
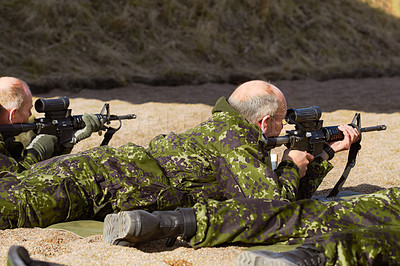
(19, 153)
(256, 205)
(15, 101)
(15, 107)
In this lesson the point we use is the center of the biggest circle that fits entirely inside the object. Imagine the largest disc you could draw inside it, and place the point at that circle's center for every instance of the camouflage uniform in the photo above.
(220, 159)
(361, 231)
(12, 158)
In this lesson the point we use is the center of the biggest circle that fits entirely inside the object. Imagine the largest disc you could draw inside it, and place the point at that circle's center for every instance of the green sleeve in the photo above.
(27, 160)
(10, 164)
(255, 179)
(316, 172)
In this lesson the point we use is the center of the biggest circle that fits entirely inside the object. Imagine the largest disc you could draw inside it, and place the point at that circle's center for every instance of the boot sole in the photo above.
(247, 258)
(120, 229)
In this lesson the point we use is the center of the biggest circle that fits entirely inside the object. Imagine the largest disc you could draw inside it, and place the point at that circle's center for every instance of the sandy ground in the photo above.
(164, 109)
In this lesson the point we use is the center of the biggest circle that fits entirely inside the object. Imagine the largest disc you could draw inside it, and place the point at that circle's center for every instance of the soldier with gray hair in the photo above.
(262, 207)
(19, 153)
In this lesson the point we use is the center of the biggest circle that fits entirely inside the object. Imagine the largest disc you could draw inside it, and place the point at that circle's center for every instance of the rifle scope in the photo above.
(51, 105)
(294, 116)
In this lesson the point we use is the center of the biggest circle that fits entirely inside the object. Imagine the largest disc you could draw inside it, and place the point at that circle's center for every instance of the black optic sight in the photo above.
(294, 116)
(51, 105)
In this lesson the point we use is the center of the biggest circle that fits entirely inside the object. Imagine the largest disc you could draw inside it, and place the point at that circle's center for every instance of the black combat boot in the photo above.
(302, 255)
(19, 256)
(130, 227)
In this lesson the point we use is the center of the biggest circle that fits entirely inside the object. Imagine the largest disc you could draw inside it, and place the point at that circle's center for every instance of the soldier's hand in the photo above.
(351, 135)
(92, 124)
(43, 146)
(300, 158)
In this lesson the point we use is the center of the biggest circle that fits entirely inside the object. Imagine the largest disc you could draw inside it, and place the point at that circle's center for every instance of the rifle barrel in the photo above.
(129, 116)
(121, 117)
(373, 128)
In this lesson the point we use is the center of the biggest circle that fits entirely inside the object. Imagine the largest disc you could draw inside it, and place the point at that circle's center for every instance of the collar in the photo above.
(222, 105)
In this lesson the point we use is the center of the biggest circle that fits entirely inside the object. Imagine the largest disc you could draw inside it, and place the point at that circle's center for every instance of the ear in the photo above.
(11, 115)
(263, 123)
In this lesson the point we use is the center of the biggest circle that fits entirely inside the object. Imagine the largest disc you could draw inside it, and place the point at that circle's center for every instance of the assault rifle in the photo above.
(59, 121)
(310, 135)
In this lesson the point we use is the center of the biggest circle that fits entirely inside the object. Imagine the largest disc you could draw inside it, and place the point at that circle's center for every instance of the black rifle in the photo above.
(59, 122)
(309, 135)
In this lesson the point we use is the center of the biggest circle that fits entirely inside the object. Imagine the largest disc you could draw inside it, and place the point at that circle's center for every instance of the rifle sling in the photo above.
(108, 135)
(351, 162)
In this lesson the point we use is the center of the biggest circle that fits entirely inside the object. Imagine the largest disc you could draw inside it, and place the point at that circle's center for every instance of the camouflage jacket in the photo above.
(225, 157)
(12, 158)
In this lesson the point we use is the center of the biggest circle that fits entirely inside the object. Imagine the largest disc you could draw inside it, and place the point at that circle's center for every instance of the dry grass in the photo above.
(101, 44)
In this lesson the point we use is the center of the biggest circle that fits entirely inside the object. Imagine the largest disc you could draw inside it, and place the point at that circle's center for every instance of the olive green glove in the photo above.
(92, 124)
(43, 146)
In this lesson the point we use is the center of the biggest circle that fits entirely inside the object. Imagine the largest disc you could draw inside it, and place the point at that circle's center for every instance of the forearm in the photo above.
(288, 175)
(7, 162)
(29, 159)
(316, 172)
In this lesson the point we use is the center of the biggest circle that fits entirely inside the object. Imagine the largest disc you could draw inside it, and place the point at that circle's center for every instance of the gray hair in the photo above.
(255, 107)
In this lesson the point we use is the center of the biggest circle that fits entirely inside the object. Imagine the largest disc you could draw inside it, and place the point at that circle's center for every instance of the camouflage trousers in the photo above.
(88, 185)
(360, 231)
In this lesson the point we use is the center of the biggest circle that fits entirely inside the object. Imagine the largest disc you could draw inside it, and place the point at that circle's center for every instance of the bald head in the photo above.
(255, 88)
(254, 99)
(15, 101)
(7, 82)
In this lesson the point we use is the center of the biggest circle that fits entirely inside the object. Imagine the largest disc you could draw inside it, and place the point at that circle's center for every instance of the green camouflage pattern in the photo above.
(222, 158)
(12, 158)
(361, 231)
